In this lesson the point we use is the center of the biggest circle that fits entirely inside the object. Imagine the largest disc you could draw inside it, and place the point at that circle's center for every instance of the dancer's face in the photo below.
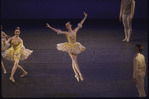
(17, 32)
(68, 26)
(136, 49)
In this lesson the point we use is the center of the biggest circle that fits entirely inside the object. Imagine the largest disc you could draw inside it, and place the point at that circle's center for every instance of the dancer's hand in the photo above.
(120, 19)
(48, 25)
(8, 37)
(134, 81)
(85, 14)
(16, 54)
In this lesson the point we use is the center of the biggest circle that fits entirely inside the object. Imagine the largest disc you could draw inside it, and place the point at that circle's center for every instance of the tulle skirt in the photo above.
(10, 54)
(4, 46)
(75, 48)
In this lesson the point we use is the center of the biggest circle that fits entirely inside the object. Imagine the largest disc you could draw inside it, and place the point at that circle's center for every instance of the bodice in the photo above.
(71, 38)
(16, 44)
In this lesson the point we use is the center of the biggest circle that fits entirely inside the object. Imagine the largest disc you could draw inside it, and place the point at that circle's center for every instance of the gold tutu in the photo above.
(10, 54)
(75, 48)
(71, 46)
(16, 48)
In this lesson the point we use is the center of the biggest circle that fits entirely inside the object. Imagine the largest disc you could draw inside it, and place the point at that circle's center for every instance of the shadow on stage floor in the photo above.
(106, 64)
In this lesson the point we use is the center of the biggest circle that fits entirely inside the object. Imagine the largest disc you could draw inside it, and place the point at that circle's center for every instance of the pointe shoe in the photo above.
(124, 40)
(127, 40)
(77, 77)
(12, 80)
(24, 74)
(81, 77)
(5, 71)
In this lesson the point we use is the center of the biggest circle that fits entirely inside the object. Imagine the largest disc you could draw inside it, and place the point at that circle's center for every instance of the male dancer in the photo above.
(126, 13)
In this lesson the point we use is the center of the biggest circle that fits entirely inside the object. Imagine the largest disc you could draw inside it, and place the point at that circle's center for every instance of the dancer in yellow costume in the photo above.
(72, 47)
(4, 46)
(16, 53)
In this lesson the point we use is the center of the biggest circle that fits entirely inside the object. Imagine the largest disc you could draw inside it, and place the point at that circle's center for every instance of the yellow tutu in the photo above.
(74, 48)
(71, 46)
(16, 48)
(10, 54)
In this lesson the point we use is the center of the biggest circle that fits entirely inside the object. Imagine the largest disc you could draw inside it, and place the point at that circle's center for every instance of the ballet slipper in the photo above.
(5, 71)
(127, 40)
(12, 79)
(124, 40)
(77, 77)
(81, 77)
(24, 74)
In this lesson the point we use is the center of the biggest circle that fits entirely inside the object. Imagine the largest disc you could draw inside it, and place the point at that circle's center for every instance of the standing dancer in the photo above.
(4, 46)
(139, 70)
(16, 53)
(126, 13)
(72, 47)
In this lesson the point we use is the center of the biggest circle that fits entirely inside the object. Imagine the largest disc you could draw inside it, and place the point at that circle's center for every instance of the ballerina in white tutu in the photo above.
(72, 47)
(16, 52)
(4, 46)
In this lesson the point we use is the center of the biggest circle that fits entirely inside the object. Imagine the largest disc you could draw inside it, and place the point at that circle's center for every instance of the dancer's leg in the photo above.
(128, 29)
(73, 66)
(24, 72)
(74, 57)
(124, 20)
(14, 70)
(140, 85)
(4, 70)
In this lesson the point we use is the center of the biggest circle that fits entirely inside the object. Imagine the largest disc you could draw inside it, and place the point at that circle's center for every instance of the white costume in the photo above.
(139, 71)
(4, 44)
(127, 12)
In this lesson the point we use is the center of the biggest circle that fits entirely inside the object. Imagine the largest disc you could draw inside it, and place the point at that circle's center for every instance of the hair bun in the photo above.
(17, 28)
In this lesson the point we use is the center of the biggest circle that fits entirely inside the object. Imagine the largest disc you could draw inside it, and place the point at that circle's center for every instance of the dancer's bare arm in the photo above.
(85, 16)
(56, 30)
(120, 16)
(4, 35)
(9, 40)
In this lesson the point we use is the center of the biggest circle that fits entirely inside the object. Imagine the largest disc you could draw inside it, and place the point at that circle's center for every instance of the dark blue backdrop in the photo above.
(59, 9)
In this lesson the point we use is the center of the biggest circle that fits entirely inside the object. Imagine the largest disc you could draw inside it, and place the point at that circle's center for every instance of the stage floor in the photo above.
(106, 64)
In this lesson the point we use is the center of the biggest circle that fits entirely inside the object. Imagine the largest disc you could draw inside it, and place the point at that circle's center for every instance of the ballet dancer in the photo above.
(4, 46)
(72, 47)
(127, 13)
(16, 52)
(139, 70)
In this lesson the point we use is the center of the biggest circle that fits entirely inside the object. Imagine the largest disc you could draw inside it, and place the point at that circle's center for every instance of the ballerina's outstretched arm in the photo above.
(4, 35)
(56, 30)
(9, 40)
(80, 24)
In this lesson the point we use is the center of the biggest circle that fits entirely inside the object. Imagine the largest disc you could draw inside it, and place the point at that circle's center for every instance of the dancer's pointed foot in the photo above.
(127, 40)
(77, 77)
(24, 74)
(5, 71)
(124, 40)
(12, 79)
(81, 77)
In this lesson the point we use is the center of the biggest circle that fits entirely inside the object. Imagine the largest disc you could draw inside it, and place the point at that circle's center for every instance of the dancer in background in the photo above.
(127, 13)
(16, 53)
(4, 46)
(72, 47)
(139, 70)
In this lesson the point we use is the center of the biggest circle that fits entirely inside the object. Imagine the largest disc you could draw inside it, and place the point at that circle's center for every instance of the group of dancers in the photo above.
(18, 52)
